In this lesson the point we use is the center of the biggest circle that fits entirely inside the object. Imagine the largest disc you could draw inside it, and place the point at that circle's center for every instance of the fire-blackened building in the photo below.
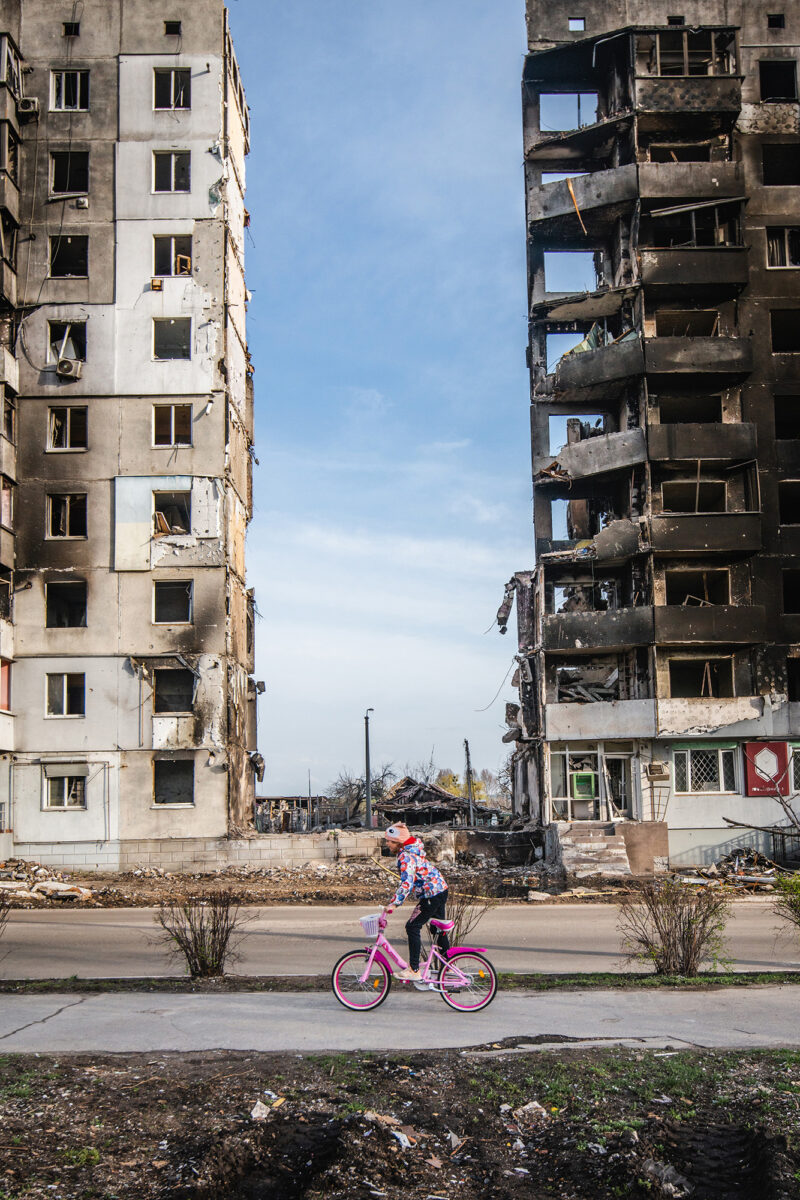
(659, 665)
(128, 708)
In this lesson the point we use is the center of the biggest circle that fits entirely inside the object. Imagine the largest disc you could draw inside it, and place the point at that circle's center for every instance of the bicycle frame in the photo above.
(383, 950)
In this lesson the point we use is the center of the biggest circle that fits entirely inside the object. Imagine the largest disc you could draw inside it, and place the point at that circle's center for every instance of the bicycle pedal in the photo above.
(425, 987)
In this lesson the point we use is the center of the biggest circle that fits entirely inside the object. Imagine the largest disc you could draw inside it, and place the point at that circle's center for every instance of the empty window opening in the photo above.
(687, 323)
(66, 695)
(682, 51)
(173, 690)
(172, 512)
(559, 344)
(783, 246)
(787, 417)
(561, 111)
(693, 496)
(690, 410)
(776, 21)
(676, 20)
(173, 781)
(72, 28)
(172, 337)
(172, 602)
(69, 257)
(172, 88)
(778, 77)
(171, 171)
(172, 255)
(692, 678)
(172, 424)
(705, 770)
(68, 428)
(172, 28)
(69, 91)
(66, 515)
(789, 501)
(69, 172)
(576, 24)
(8, 239)
(785, 324)
(691, 589)
(568, 430)
(793, 681)
(780, 164)
(6, 502)
(696, 152)
(791, 591)
(571, 271)
(65, 791)
(9, 415)
(66, 339)
(584, 595)
(702, 224)
(66, 605)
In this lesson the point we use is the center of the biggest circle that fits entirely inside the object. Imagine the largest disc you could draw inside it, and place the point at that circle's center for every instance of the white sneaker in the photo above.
(407, 973)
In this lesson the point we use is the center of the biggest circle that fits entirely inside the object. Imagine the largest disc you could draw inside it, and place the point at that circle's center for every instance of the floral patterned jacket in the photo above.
(416, 874)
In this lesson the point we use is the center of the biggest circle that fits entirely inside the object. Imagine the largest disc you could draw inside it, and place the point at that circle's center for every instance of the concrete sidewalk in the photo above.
(737, 1017)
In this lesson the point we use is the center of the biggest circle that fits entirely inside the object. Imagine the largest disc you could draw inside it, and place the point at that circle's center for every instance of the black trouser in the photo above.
(429, 906)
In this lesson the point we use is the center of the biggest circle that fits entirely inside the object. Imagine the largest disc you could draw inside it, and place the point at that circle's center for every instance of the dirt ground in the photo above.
(549, 1125)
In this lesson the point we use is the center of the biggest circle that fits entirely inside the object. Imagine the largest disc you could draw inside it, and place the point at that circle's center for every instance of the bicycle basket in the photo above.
(370, 924)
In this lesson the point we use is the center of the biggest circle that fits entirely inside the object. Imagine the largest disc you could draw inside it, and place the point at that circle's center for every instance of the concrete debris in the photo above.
(745, 868)
(532, 1111)
(669, 1181)
(260, 1111)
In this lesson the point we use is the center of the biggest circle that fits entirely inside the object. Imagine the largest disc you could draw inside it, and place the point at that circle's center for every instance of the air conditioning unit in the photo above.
(69, 368)
(28, 106)
(657, 770)
(156, 285)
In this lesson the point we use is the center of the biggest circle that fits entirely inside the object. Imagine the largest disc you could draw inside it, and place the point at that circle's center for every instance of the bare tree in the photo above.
(505, 777)
(351, 790)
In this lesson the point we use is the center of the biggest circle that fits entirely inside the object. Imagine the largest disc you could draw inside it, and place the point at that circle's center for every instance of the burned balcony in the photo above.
(589, 372)
(687, 534)
(729, 441)
(598, 454)
(689, 354)
(606, 695)
(707, 274)
(691, 180)
(579, 632)
(558, 210)
(688, 75)
(692, 623)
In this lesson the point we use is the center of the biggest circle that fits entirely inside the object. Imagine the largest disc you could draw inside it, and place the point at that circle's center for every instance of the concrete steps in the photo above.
(593, 848)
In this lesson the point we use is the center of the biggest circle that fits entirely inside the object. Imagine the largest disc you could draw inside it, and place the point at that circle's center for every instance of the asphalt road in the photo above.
(307, 940)
(740, 1017)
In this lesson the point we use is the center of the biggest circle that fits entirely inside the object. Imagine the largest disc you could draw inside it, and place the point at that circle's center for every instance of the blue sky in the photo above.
(387, 266)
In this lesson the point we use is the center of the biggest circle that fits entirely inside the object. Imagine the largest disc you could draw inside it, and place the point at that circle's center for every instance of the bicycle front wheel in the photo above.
(468, 982)
(347, 984)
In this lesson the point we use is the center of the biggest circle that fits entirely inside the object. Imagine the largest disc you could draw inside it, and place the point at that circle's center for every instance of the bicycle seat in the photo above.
(445, 926)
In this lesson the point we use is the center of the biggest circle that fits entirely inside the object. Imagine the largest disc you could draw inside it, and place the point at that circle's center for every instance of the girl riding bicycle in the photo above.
(429, 888)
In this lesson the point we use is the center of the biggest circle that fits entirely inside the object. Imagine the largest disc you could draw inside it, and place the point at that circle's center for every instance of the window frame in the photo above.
(786, 231)
(173, 72)
(9, 401)
(720, 750)
(65, 537)
(173, 255)
(8, 488)
(69, 325)
(69, 583)
(69, 192)
(173, 712)
(793, 99)
(172, 444)
(54, 242)
(156, 804)
(82, 86)
(169, 533)
(68, 409)
(64, 676)
(49, 779)
(172, 190)
(188, 584)
(161, 358)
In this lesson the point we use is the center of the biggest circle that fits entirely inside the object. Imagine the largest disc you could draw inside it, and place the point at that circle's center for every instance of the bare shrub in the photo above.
(5, 908)
(204, 930)
(673, 927)
(787, 899)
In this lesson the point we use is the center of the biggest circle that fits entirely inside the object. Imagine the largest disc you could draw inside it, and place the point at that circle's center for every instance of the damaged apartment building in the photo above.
(659, 664)
(127, 706)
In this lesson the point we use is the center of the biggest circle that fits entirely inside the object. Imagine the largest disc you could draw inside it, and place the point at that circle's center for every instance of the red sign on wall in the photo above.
(766, 768)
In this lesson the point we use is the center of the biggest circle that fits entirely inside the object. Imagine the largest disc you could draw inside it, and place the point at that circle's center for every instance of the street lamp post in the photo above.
(367, 776)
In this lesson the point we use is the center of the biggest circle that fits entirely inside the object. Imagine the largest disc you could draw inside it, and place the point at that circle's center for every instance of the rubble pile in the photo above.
(745, 868)
(21, 880)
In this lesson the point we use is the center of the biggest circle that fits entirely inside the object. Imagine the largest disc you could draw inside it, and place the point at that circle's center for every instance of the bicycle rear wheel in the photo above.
(468, 982)
(348, 987)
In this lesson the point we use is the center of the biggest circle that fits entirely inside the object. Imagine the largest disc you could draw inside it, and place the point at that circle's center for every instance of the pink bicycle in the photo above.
(463, 977)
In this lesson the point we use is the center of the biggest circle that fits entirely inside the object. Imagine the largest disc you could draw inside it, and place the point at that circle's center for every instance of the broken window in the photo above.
(172, 602)
(66, 695)
(691, 409)
(68, 428)
(172, 337)
(682, 51)
(172, 424)
(780, 163)
(66, 339)
(704, 224)
(173, 690)
(584, 595)
(783, 246)
(172, 87)
(69, 172)
(11, 69)
(681, 152)
(5, 592)
(8, 239)
(173, 781)
(574, 783)
(71, 28)
(776, 21)
(791, 591)
(65, 791)
(793, 681)
(9, 415)
(172, 512)
(692, 678)
(172, 255)
(705, 769)
(778, 77)
(6, 503)
(66, 515)
(571, 271)
(171, 171)
(789, 501)
(5, 685)
(172, 28)
(785, 323)
(69, 256)
(65, 605)
(588, 682)
(696, 322)
(561, 111)
(787, 417)
(691, 588)
(694, 496)
(69, 91)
